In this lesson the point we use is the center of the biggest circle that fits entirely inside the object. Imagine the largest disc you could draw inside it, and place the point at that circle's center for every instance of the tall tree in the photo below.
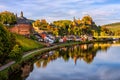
(7, 18)
(7, 42)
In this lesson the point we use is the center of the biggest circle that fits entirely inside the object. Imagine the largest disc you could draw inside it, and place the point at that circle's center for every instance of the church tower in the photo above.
(21, 14)
(16, 15)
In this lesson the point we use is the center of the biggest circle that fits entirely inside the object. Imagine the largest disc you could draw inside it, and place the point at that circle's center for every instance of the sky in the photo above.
(102, 11)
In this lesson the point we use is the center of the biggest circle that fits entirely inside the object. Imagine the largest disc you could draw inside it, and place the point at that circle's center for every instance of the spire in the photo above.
(21, 14)
(74, 18)
(16, 15)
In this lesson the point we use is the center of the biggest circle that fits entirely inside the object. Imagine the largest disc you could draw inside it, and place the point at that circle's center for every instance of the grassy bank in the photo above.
(27, 44)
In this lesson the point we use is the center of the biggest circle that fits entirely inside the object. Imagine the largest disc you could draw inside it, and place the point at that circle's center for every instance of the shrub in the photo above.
(16, 53)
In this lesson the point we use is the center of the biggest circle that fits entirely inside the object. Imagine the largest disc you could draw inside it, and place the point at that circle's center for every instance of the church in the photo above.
(23, 26)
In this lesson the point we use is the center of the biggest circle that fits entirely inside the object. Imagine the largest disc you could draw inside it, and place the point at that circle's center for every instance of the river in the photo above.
(98, 61)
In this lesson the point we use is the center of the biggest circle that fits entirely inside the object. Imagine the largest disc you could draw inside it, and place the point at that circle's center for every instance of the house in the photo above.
(22, 29)
(47, 38)
(23, 26)
(63, 39)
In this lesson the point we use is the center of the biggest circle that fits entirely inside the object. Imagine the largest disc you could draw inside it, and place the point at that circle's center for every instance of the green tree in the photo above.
(16, 53)
(7, 42)
(7, 18)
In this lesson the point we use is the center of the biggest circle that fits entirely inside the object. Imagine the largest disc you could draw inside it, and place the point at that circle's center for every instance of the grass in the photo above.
(27, 44)
(113, 26)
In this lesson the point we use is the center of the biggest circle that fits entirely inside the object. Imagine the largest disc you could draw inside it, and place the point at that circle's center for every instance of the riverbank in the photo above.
(58, 45)
(29, 56)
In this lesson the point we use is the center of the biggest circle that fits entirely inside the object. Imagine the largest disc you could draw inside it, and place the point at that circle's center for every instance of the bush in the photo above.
(33, 37)
(57, 40)
(16, 53)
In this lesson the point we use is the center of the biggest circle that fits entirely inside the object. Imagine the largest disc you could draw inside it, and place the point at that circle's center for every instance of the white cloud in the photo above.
(2, 7)
(64, 9)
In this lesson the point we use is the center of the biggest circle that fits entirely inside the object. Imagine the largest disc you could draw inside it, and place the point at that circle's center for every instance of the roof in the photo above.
(23, 20)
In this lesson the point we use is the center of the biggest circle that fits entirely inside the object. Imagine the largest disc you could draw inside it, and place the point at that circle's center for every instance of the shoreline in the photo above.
(30, 54)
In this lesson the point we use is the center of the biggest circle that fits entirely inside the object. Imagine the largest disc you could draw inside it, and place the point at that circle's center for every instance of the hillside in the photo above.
(27, 44)
(113, 26)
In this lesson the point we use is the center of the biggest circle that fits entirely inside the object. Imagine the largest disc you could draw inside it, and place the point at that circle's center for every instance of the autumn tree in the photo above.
(41, 24)
(87, 20)
(36, 23)
(63, 26)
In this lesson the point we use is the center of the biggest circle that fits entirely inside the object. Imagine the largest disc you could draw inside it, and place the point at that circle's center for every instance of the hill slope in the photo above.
(113, 26)
(27, 44)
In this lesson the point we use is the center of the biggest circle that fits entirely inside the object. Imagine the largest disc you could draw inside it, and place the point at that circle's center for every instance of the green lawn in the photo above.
(27, 44)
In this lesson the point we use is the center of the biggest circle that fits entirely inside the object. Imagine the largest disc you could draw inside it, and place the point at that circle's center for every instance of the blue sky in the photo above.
(102, 11)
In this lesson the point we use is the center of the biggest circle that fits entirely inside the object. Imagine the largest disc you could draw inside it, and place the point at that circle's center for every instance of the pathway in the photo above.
(6, 65)
(25, 54)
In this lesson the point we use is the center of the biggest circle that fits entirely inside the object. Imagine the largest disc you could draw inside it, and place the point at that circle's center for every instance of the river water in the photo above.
(98, 61)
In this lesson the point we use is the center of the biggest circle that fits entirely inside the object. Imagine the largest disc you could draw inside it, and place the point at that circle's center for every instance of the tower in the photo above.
(74, 19)
(16, 15)
(21, 14)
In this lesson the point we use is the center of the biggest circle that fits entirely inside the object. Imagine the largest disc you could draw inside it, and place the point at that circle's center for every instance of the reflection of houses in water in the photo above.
(85, 52)
(26, 69)
(46, 55)
(45, 59)
(64, 48)
(84, 47)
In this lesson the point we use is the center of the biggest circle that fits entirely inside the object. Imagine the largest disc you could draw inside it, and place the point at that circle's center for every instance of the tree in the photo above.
(36, 23)
(4, 40)
(16, 53)
(63, 26)
(7, 18)
(55, 31)
(87, 20)
(84, 26)
(7, 42)
(41, 24)
(99, 30)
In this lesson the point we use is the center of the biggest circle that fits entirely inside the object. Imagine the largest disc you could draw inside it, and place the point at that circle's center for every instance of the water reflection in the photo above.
(26, 69)
(57, 64)
(98, 61)
(85, 52)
